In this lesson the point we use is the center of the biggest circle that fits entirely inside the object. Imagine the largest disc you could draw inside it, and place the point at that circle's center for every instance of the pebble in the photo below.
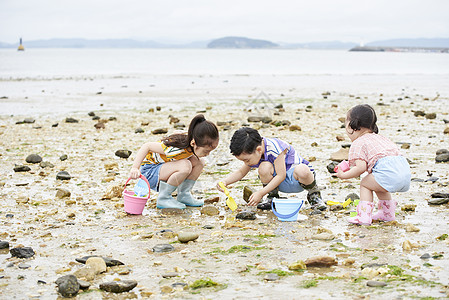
(170, 275)
(331, 166)
(373, 283)
(109, 261)
(33, 159)
(62, 193)
(71, 120)
(118, 286)
(247, 192)
(185, 237)
(408, 207)
(96, 263)
(299, 265)
(432, 179)
(440, 195)
(246, 215)
(324, 236)
(162, 248)
(425, 256)
(123, 153)
(63, 175)
(46, 164)
(86, 273)
(411, 228)
(340, 155)
(209, 210)
(321, 261)
(84, 285)
(444, 157)
(63, 157)
(438, 201)
(160, 131)
(271, 277)
(4, 245)
(24, 252)
(68, 285)
(21, 168)
(24, 266)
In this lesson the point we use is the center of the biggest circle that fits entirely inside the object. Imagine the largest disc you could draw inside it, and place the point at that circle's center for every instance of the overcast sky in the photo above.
(198, 20)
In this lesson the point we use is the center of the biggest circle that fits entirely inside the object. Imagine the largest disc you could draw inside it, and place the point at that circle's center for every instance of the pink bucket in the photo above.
(133, 204)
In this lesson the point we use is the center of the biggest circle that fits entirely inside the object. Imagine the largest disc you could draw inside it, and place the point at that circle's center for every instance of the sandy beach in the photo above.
(64, 220)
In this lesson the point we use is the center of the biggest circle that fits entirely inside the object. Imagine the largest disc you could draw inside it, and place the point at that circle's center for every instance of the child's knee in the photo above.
(265, 169)
(302, 171)
(185, 166)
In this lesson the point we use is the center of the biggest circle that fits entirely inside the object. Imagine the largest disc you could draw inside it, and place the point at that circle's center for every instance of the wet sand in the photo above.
(238, 255)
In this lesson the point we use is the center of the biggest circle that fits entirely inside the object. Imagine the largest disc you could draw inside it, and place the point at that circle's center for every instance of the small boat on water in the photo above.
(21, 48)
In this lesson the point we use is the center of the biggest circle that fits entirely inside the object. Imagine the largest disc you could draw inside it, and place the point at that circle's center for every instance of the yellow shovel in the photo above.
(229, 201)
(344, 204)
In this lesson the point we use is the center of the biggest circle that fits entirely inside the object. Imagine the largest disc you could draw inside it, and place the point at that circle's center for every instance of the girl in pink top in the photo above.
(388, 171)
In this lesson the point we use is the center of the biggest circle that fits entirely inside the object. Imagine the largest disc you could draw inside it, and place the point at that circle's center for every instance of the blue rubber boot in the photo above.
(184, 195)
(164, 199)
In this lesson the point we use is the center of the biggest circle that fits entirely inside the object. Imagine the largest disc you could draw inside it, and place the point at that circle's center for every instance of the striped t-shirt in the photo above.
(274, 147)
(170, 154)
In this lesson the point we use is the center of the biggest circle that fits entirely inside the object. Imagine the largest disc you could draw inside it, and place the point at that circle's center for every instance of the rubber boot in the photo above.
(164, 199)
(314, 196)
(364, 214)
(385, 211)
(266, 205)
(185, 196)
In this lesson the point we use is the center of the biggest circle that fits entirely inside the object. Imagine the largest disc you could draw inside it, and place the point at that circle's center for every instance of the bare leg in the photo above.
(368, 185)
(175, 172)
(303, 174)
(197, 168)
(266, 171)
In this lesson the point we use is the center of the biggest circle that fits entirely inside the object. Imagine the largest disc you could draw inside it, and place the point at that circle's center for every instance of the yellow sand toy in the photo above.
(229, 201)
(344, 204)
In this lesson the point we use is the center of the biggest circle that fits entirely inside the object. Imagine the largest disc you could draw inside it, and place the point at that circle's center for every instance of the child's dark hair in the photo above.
(245, 140)
(363, 116)
(204, 133)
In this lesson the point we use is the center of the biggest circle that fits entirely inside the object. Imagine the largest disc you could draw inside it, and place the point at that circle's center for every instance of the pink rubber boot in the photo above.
(385, 210)
(364, 213)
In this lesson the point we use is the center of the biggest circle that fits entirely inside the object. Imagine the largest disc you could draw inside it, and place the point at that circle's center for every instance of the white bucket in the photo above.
(286, 209)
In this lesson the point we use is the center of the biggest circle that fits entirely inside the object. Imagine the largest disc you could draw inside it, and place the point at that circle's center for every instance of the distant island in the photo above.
(406, 45)
(232, 42)
(241, 43)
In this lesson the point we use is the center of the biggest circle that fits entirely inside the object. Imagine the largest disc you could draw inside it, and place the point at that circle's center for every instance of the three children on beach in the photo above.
(175, 163)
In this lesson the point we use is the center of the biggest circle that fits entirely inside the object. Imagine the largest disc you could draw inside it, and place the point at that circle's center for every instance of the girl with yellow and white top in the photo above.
(174, 163)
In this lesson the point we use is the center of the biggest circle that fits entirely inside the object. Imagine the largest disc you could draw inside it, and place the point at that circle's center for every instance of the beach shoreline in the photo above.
(88, 223)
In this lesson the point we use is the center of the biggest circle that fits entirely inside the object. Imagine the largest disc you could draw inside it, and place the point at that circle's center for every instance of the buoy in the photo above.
(21, 48)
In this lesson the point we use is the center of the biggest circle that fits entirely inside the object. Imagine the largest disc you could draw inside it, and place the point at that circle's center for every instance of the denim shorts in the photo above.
(151, 172)
(393, 173)
(290, 184)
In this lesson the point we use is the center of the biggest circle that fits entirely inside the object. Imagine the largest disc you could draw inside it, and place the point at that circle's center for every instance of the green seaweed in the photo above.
(442, 237)
(279, 272)
(309, 283)
(203, 283)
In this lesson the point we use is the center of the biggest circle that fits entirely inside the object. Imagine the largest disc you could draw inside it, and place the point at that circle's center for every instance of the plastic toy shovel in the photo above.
(344, 204)
(229, 201)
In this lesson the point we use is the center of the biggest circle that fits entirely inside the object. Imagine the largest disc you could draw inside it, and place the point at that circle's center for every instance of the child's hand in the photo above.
(219, 187)
(339, 173)
(134, 173)
(255, 199)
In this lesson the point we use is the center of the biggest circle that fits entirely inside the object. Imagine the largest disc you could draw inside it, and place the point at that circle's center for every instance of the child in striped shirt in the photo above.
(174, 163)
(388, 171)
(279, 165)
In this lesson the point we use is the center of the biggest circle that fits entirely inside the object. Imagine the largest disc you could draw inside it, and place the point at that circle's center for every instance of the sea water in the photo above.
(43, 81)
